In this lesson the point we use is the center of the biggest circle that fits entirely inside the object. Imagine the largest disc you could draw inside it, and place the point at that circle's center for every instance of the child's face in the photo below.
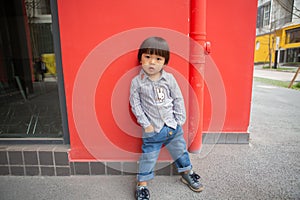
(152, 64)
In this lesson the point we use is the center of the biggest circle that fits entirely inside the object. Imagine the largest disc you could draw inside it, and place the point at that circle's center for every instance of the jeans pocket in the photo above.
(148, 134)
(178, 130)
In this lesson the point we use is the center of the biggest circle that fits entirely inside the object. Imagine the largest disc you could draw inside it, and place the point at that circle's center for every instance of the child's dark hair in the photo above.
(157, 46)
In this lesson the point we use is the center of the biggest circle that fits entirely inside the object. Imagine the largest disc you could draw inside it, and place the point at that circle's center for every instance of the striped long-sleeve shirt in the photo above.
(157, 102)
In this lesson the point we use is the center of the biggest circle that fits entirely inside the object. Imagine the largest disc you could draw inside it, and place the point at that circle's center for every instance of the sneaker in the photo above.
(142, 193)
(191, 179)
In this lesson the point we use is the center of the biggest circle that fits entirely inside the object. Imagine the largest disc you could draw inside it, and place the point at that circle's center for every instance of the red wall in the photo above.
(99, 41)
(231, 30)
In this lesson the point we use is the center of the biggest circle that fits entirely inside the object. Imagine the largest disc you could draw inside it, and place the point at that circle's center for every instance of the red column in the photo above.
(197, 63)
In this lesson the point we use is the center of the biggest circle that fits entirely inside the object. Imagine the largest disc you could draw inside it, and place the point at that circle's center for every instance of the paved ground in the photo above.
(267, 168)
(275, 75)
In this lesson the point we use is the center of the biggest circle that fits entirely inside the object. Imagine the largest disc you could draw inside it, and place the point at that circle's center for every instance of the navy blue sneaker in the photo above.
(142, 193)
(191, 179)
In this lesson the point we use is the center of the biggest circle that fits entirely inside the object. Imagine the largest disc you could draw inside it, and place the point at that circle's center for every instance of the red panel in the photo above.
(231, 30)
(86, 27)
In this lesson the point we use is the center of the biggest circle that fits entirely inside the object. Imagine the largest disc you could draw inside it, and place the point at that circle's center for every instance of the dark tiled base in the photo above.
(118, 168)
(34, 160)
(53, 160)
(47, 171)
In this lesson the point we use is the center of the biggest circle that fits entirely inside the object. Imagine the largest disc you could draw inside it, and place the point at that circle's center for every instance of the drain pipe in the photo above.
(196, 72)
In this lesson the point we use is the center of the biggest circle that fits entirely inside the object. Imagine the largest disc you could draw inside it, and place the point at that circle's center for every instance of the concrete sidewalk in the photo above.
(275, 75)
(267, 168)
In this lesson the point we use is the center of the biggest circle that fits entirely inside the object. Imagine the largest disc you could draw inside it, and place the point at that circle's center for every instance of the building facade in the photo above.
(80, 123)
(277, 32)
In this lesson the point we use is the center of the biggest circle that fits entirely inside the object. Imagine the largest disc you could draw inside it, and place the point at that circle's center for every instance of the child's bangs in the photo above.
(155, 51)
(155, 45)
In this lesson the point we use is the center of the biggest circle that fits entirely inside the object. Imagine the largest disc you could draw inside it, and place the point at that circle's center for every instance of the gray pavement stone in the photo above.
(267, 168)
(276, 75)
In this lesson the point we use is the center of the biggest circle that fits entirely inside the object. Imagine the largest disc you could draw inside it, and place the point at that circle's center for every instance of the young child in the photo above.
(158, 105)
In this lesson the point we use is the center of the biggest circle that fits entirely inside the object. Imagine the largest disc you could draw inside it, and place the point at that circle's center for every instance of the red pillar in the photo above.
(197, 63)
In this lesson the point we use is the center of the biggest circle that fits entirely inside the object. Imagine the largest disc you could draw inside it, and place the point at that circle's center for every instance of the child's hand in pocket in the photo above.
(149, 129)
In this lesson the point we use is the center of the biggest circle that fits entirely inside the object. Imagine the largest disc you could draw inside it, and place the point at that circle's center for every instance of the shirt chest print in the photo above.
(160, 94)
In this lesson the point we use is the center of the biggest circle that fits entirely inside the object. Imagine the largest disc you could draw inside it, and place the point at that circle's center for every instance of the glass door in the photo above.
(29, 100)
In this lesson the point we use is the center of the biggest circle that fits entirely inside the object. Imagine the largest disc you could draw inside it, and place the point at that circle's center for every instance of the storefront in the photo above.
(95, 45)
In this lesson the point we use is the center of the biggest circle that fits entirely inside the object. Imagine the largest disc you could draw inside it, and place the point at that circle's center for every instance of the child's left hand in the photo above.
(149, 129)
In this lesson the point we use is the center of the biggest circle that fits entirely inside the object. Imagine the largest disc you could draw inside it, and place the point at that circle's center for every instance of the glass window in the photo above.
(257, 45)
(263, 15)
(266, 16)
(293, 55)
(293, 36)
(29, 102)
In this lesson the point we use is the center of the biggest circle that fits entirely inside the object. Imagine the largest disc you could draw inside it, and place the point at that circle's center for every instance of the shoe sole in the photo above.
(195, 190)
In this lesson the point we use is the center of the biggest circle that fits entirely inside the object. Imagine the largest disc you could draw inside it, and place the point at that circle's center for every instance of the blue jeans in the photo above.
(152, 143)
